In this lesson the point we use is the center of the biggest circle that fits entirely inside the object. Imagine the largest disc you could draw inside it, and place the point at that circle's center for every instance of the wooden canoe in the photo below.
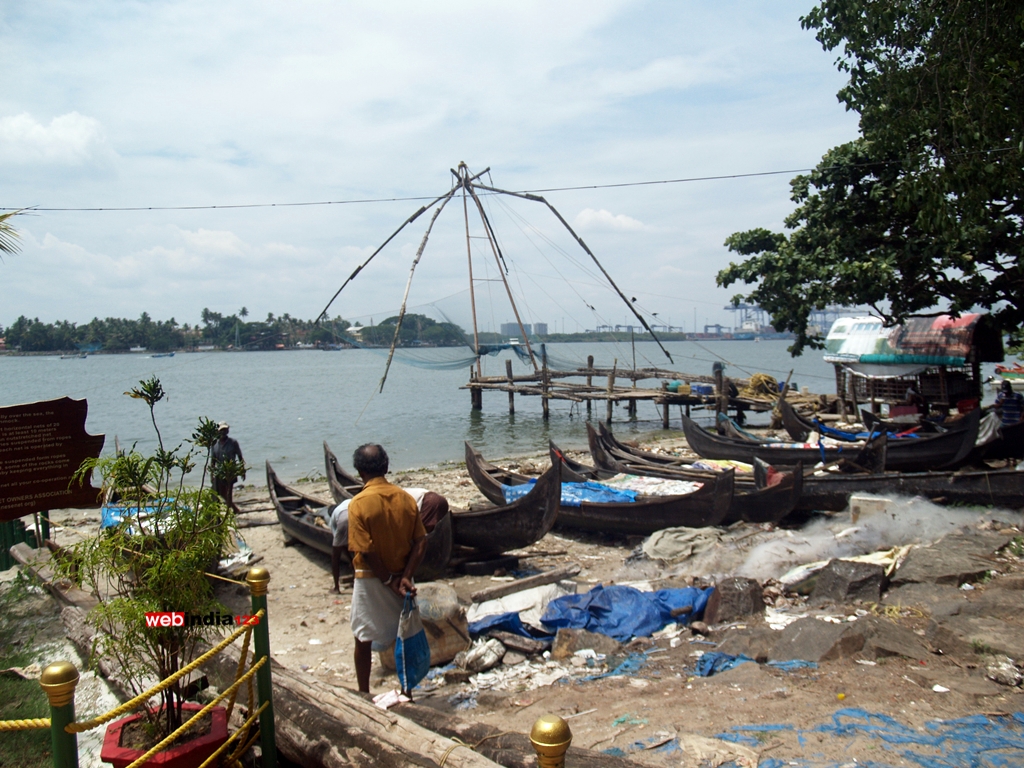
(752, 501)
(503, 527)
(298, 513)
(936, 452)
(706, 506)
(342, 484)
(1000, 488)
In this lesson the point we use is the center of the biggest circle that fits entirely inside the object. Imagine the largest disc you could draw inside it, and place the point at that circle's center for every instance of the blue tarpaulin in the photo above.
(575, 493)
(506, 622)
(624, 612)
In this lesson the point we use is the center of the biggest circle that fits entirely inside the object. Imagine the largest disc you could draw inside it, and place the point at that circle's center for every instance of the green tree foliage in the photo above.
(8, 234)
(416, 330)
(119, 334)
(927, 208)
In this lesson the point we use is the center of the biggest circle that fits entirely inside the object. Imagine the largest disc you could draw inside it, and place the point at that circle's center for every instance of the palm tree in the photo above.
(9, 235)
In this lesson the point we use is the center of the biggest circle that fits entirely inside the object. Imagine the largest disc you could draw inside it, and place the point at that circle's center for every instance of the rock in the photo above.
(966, 635)
(457, 676)
(568, 641)
(734, 599)
(997, 603)
(525, 645)
(968, 686)
(699, 628)
(1002, 670)
(954, 559)
(1014, 581)
(878, 637)
(511, 658)
(871, 637)
(807, 639)
(845, 581)
(930, 599)
(754, 642)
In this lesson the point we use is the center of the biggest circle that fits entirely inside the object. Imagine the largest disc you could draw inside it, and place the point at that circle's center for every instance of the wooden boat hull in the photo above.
(297, 513)
(504, 527)
(1000, 488)
(796, 425)
(707, 506)
(945, 451)
(342, 484)
(751, 501)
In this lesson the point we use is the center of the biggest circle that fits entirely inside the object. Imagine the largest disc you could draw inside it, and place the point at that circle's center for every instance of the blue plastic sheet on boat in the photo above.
(506, 622)
(624, 612)
(573, 494)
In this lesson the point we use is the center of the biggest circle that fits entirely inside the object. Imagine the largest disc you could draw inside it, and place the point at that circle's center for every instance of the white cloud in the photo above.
(589, 219)
(71, 140)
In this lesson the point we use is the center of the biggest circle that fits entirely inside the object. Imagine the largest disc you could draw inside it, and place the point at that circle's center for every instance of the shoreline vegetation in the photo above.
(217, 332)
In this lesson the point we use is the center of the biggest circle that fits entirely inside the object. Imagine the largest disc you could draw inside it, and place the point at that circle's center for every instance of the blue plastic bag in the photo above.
(412, 652)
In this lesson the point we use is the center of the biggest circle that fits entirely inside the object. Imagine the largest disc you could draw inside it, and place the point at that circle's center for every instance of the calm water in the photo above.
(283, 405)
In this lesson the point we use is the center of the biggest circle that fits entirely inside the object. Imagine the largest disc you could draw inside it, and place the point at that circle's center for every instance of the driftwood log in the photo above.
(319, 726)
(512, 750)
(548, 577)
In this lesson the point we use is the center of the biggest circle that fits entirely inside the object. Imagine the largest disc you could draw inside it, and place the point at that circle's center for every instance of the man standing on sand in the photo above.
(388, 540)
(432, 506)
(225, 450)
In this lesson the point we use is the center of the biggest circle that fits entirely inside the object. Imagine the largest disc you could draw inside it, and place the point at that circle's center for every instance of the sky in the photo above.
(186, 104)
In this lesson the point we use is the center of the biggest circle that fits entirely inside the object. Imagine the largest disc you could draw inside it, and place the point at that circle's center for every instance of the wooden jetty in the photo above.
(588, 385)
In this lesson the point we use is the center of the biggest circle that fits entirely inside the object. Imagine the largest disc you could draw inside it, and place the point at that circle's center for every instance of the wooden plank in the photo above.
(511, 587)
(37, 563)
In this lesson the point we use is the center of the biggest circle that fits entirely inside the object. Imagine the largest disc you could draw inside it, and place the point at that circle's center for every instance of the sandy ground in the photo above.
(309, 631)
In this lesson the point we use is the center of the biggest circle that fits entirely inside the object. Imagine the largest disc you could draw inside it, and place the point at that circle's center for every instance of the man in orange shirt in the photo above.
(388, 540)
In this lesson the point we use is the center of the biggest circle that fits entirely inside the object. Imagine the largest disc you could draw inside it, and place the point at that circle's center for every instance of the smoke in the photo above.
(765, 555)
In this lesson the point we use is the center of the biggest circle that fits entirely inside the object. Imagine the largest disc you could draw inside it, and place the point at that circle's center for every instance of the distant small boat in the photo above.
(163, 354)
(136, 349)
(76, 356)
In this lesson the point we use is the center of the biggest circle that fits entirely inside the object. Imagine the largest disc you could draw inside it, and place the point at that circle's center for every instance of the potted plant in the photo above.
(150, 565)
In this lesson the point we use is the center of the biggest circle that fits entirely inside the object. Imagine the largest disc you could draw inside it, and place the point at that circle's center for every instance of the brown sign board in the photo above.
(41, 446)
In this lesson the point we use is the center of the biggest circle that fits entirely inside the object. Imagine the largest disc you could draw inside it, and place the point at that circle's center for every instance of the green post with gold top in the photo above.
(59, 681)
(258, 578)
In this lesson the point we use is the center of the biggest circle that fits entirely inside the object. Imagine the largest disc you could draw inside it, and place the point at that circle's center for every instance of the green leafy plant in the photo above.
(155, 559)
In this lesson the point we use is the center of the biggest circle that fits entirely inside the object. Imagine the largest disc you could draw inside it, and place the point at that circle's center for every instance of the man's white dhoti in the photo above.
(375, 612)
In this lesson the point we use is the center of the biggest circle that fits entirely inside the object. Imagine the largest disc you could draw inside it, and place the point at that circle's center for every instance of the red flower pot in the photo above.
(181, 754)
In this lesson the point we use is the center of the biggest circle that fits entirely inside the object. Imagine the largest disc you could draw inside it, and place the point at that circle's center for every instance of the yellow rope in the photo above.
(241, 666)
(195, 718)
(163, 685)
(24, 725)
(223, 747)
(224, 578)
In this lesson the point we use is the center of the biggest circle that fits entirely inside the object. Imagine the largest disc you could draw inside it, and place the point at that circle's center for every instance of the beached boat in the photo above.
(504, 527)
(832, 491)
(707, 505)
(753, 501)
(934, 452)
(485, 528)
(342, 484)
(305, 518)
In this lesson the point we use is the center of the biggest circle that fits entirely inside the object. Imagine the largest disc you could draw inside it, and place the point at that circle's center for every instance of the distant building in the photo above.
(541, 329)
(512, 329)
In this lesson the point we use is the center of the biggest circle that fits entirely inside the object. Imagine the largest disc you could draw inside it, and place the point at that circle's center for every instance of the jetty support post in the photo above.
(511, 388)
(664, 406)
(59, 681)
(258, 579)
(720, 395)
(544, 376)
(611, 386)
(476, 395)
(590, 381)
